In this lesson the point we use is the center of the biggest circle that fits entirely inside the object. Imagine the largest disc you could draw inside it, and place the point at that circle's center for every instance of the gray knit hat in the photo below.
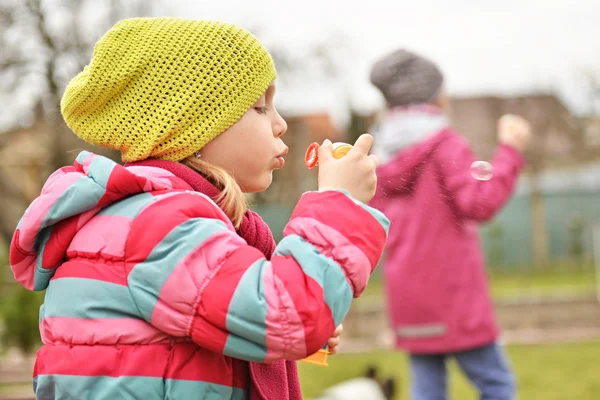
(406, 78)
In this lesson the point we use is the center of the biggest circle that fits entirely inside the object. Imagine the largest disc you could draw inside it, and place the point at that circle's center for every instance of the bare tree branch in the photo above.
(57, 57)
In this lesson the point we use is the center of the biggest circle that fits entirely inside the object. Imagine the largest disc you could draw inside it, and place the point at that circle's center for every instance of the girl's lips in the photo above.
(281, 161)
(280, 157)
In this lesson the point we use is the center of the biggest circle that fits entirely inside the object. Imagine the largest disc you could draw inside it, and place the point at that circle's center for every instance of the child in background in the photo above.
(160, 283)
(435, 278)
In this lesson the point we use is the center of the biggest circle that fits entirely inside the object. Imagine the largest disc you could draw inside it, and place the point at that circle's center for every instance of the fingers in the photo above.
(332, 345)
(512, 122)
(334, 340)
(525, 128)
(325, 151)
(338, 331)
(363, 145)
(375, 160)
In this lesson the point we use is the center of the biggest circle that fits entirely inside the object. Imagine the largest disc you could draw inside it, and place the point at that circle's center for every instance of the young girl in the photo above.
(160, 283)
(434, 270)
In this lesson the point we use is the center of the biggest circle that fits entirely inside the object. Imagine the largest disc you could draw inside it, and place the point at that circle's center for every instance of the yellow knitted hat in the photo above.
(164, 87)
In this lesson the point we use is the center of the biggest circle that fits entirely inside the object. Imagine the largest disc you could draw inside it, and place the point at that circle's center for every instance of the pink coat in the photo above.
(151, 293)
(436, 284)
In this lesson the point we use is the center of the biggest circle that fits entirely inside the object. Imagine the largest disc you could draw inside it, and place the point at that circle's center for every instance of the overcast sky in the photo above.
(483, 47)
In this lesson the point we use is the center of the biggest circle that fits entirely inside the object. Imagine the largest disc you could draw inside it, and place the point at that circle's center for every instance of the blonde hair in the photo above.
(231, 199)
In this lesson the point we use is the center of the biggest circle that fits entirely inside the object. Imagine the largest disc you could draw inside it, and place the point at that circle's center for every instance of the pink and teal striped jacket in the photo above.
(151, 294)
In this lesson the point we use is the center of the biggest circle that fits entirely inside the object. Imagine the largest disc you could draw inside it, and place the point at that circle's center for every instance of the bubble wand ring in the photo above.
(311, 158)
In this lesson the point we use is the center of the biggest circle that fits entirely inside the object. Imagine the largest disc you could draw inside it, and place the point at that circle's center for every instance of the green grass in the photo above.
(556, 280)
(549, 372)
(7, 389)
(510, 284)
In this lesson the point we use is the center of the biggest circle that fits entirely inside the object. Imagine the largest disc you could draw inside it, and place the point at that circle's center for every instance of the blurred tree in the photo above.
(19, 317)
(576, 226)
(496, 253)
(537, 158)
(557, 140)
(592, 83)
(591, 118)
(44, 44)
(359, 123)
(321, 60)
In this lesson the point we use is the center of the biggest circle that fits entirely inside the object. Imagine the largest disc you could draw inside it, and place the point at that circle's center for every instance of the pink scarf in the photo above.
(268, 381)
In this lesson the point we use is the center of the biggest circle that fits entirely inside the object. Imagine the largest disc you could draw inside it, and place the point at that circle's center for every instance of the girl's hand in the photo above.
(334, 340)
(355, 172)
(514, 131)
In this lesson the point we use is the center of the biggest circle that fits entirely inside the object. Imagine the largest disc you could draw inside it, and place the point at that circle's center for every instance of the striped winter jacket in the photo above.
(151, 294)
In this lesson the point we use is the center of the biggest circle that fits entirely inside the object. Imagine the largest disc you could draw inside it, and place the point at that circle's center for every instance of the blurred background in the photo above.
(536, 58)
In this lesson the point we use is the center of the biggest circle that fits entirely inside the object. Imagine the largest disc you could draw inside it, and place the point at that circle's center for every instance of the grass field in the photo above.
(510, 284)
(13, 389)
(549, 372)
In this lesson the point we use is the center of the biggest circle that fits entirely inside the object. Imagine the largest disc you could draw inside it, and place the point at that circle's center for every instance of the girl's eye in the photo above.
(261, 110)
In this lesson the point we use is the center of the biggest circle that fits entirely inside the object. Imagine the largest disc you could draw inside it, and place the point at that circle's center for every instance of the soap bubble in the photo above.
(482, 170)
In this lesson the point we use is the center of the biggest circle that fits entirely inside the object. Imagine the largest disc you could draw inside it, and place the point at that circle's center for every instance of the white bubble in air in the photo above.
(482, 170)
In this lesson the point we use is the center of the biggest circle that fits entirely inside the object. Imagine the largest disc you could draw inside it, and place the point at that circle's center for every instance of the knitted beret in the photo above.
(406, 78)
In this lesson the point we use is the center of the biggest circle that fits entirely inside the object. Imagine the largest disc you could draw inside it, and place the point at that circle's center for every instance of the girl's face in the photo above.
(252, 147)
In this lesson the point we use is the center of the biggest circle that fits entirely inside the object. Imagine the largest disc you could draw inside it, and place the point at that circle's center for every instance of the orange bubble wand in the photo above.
(311, 158)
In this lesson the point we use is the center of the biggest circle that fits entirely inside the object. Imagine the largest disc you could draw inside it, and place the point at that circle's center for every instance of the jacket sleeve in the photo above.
(477, 199)
(191, 275)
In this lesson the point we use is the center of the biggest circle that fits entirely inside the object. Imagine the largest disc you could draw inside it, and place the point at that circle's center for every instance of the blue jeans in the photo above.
(486, 367)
